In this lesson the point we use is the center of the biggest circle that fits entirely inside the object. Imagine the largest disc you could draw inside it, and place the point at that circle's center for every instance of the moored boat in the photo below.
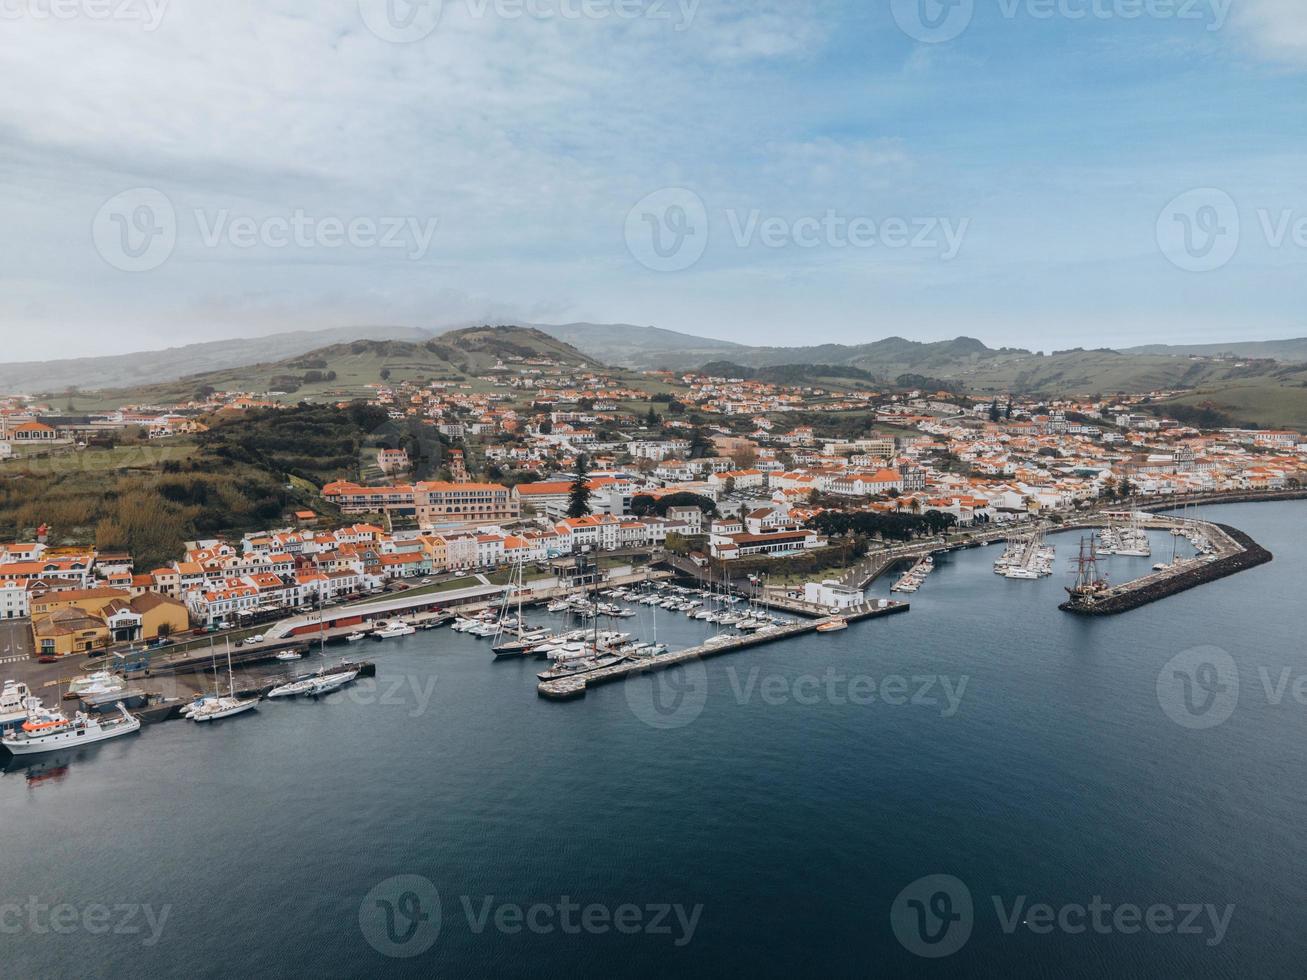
(49, 731)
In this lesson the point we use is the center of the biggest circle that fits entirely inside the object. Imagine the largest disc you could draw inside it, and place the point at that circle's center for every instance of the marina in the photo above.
(571, 688)
(583, 639)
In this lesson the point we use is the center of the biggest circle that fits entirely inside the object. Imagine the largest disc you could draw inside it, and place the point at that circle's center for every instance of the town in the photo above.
(537, 460)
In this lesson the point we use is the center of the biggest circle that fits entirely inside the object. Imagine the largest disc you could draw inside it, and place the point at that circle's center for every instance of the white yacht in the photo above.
(293, 689)
(49, 731)
(331, 682)
(16, 702)
(215, 709)
(396, 627)
(100, 682)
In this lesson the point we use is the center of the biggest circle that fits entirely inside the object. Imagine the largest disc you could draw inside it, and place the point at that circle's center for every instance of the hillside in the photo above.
(1288, 351)
(645, 348)
(149, 367)
(245, 472)
(345, 371)
(642, 348)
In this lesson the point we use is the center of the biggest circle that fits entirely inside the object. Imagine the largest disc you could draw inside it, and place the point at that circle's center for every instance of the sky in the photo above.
(1036, 173)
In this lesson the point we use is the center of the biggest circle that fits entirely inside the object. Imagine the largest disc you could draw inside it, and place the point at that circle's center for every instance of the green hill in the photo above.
(346, 371)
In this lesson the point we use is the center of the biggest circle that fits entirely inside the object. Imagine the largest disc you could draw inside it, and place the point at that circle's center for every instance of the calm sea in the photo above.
(761, 815)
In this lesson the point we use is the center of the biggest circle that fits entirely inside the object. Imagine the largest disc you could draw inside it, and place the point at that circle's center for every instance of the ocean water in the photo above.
(771, 813)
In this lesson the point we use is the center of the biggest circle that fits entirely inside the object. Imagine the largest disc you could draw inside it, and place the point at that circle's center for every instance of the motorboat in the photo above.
(289, 655)
(16, 702)
(99, 682)
(833, 625)
(394, 628)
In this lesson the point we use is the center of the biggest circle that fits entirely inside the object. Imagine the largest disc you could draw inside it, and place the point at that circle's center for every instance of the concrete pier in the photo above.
(571, 688)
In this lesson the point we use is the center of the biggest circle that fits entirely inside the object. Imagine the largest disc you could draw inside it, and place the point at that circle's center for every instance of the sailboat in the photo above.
(325, 682)
(216, 708)
(506, 644)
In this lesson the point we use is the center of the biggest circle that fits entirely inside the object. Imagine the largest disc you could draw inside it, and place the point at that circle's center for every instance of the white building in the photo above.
(13, 600)
(833, 595)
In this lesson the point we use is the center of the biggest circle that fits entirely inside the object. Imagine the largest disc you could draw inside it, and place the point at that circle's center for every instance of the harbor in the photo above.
(590, 647)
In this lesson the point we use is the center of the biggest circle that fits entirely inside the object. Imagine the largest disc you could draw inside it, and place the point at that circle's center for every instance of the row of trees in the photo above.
(893, 527)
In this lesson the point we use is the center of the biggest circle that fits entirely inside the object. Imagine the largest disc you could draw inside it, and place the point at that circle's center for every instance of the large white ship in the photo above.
(48, 731)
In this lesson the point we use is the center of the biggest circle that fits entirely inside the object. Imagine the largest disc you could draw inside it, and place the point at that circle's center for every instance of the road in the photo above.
(15, 641)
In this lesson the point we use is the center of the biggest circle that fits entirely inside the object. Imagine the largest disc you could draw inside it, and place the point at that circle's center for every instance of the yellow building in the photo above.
(68, 631)
(65, 623)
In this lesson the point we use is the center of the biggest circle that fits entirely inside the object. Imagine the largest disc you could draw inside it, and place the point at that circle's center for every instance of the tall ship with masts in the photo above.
(1091, 585)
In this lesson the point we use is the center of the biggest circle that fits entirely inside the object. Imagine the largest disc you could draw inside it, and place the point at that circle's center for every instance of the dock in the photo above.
(572, 688)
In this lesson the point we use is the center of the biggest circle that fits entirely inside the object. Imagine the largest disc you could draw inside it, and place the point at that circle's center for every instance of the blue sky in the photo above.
(175, 172)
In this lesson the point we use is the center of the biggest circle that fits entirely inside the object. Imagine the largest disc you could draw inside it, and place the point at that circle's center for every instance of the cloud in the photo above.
(1276, 28)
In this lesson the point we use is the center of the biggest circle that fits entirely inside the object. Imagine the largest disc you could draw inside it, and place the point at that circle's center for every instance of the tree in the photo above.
(385, 374)
(700, 445)
(578, 498)
(651, 420)
(1009, 408)
(993, 410)
(546, 427)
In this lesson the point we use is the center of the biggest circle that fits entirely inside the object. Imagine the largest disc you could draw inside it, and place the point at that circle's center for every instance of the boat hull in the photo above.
(69, 739)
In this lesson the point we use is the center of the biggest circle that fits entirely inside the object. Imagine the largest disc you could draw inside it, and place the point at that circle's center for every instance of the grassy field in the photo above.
(1273, 405)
